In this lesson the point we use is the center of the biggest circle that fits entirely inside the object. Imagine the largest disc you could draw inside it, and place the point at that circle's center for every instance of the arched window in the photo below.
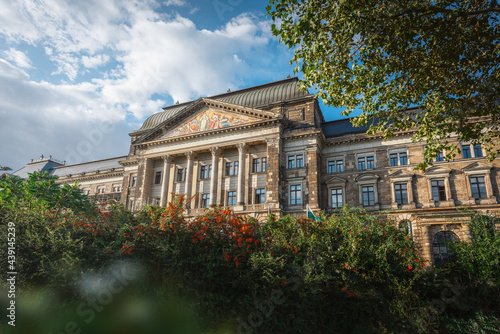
(405, 226)
(440, 247)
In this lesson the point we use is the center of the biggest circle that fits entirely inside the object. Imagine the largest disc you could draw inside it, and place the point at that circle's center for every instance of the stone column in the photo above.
(167, 159)
(240, 194)
(273, 173)
(213, 180)
(189, 174)
(146, 182)
(312, 178)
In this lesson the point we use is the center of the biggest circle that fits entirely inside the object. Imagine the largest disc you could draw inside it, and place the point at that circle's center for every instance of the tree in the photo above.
(428, 66)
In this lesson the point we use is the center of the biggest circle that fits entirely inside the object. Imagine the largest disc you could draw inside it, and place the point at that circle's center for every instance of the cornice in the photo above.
(90, 176)
(265, 123)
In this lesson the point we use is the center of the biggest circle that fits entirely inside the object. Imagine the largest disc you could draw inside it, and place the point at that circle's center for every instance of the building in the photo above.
(269, 147)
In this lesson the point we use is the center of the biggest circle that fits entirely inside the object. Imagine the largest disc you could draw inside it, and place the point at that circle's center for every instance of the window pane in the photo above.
(361, 163)
(300, 160)
(466, 151)
(478, 152)
(264, 164)
(403, 159)
(291, 161)
(394, 159)
(331, 166)
(440, 156)
(370, 163)
(340, 166)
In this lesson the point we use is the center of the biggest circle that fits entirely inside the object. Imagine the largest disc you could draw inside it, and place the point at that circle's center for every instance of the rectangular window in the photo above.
(133, 181)
(296, 161)
(368, 196)
(403, 159)
(264, 164)
(158, 178)
(117, 188)
(100, 189)
(260, 196)
(366, 163)
(394, 159)
(231, 198)
(231, 168)
(466, 151)
(335, 166)
(206, 172)
(337, 200)
(401, 193)
(370, 163)
(478, 152)
(132, 205)
(256, 165)
(205, 200)
(440, 156)
(478, 187)
(438, 190)
(300, 160)
(181, 174)
(400, 159)
(361, 164)
(295, 194)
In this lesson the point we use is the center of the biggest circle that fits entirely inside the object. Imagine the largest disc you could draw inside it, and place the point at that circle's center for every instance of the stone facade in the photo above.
(269, 148)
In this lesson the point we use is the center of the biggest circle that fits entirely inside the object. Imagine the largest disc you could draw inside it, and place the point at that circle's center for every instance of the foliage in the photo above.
(350, 272)
(479, 258)
(385, 57)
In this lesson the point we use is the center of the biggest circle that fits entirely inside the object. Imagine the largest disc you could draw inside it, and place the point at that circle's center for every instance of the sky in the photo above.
(76, 77)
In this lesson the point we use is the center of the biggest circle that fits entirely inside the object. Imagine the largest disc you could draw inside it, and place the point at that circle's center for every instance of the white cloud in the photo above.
(18, 57)
(117, 55)
(96, 61)
(178, 3)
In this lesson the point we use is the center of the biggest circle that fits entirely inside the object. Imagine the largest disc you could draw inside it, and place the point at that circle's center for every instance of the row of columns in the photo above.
(190, 157)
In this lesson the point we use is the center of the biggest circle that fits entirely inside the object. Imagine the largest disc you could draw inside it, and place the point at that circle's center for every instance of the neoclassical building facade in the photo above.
(268, 147)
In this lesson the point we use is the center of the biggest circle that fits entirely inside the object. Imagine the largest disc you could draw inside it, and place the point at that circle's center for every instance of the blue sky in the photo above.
(77, 76)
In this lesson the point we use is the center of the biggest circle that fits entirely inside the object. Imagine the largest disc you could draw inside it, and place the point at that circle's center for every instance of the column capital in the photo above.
(272, 141)
(215, 151)
(242, 147)
(167, 158)
(191, 154)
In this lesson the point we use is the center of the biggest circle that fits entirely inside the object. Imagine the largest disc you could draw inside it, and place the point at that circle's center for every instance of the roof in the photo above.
(342, 127)
(88, 167)
(252, 97)
(44, 165)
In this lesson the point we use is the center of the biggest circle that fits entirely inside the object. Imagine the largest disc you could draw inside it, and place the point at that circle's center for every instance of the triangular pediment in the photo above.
(206, 115)
(437, 170)
(477, 167)
(208, 119)
(401, 173)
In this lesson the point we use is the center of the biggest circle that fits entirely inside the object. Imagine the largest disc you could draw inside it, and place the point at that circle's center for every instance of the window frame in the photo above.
(440, 190)
(336, 163)
(205, 200)
(181, 171)
(297, 200)
(260, 194)
(403, 193)
(228, 196)
(337, 195)
(158, 177)
(295, 161)
(368, 192)
(479, 191)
